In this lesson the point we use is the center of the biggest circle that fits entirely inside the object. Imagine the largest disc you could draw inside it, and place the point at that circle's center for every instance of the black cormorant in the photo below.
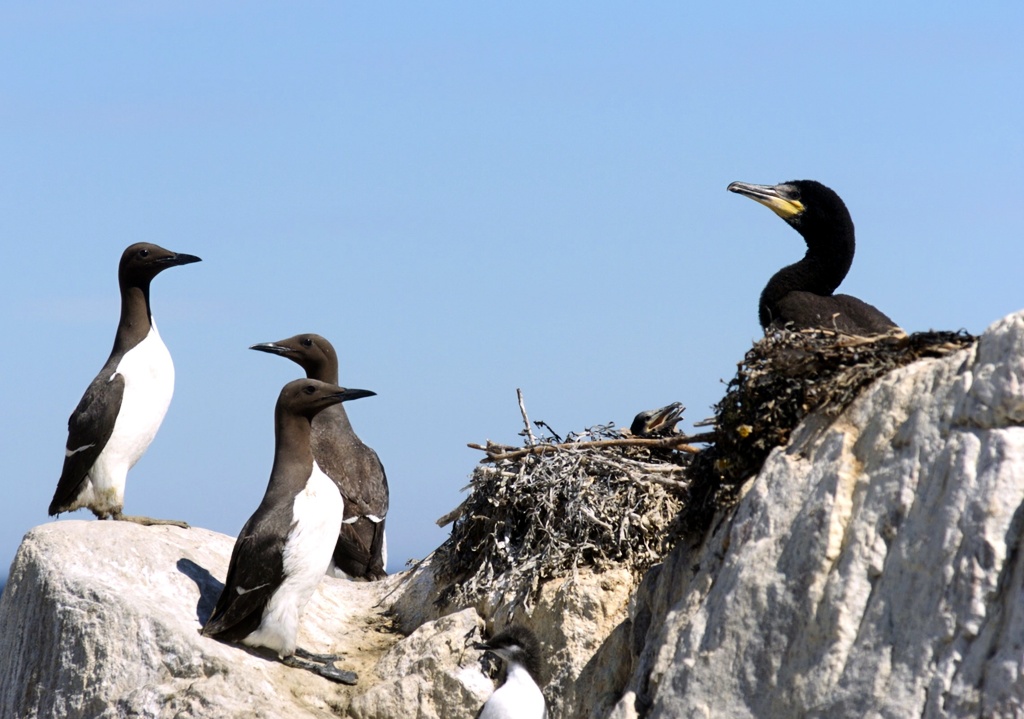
(800, 295)
(658, 422)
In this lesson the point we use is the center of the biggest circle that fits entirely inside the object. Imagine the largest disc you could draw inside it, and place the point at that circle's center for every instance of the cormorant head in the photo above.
(143, 261)
(308, 397)
(811, 208)
(657, 422)
(311, 352)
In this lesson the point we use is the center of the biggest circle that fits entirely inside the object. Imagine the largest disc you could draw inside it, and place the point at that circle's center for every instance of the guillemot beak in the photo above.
(272, 348)
(179, 258)
(350, 394)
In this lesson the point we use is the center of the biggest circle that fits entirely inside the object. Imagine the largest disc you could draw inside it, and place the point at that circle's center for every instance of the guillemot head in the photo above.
(516, 645)
(307, 397)
(143, 261)
(310, 351)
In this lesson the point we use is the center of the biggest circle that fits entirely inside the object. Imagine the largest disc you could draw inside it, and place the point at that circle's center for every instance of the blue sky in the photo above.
(467, 198)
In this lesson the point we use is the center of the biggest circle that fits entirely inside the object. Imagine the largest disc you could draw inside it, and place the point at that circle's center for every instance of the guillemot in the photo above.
(122, 409)
(285, 547)
(520, 696)
(361, 548)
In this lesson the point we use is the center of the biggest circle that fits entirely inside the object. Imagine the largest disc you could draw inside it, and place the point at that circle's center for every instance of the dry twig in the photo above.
(600, 499)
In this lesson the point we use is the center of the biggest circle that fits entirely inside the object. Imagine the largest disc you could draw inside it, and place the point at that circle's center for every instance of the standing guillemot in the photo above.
(520, 696)
(285, 548)
(121, 410)
(361, 549)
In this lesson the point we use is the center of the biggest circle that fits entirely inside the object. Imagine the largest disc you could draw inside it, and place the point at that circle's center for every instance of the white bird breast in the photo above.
(518, 698)
(316, 520)
(148, 374)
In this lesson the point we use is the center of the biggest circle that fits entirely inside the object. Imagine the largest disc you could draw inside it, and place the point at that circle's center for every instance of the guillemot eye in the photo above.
(307, 342)
(143, 252)
(309, 389)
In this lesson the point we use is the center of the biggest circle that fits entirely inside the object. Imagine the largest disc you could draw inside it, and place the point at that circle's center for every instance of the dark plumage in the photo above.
(657, 422)
(123, 407)
(284, 549)
(801, 295)
(361, 550)
(520, 696)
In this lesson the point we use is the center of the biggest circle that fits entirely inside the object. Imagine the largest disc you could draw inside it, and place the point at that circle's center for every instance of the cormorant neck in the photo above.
(831, 244)
(820, 272)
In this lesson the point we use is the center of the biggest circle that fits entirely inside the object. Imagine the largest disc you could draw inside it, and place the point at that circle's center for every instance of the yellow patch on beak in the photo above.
(786, 209)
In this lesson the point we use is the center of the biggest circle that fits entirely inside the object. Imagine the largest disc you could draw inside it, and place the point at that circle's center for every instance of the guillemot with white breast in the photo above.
(520, 696)
(122, 409)
(361, 548)
(285, 547)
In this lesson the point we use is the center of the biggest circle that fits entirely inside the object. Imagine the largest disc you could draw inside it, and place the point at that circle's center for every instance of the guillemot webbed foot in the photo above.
(314, 657)
(324, 668)
(148, 521)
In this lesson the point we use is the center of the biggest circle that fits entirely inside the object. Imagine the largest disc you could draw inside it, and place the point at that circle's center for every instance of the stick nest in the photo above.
(594, 499)
(603, 498)
(784, 377)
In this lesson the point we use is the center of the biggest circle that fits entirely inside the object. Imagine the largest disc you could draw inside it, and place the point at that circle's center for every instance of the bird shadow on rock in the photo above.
(209, 588)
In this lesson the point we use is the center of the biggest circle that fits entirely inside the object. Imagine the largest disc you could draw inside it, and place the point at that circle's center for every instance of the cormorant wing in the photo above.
(89, 429)
(843, 313)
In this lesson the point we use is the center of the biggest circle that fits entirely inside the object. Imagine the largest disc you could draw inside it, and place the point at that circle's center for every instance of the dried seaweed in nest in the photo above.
(597, 499)
(593, 499)
(784, 377)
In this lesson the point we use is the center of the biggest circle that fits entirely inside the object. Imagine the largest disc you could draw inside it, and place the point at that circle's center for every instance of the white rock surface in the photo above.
(873, 568)
(432, 673)
(435, 672)
(101, 619)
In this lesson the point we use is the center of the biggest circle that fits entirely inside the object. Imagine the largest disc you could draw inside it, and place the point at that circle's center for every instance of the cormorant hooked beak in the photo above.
(782, 199)
(656, 422)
